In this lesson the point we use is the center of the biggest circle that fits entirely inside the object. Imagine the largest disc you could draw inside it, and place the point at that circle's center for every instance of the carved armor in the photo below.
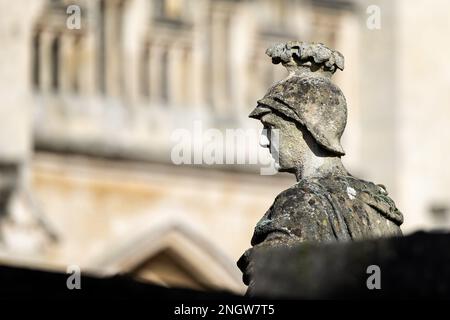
(307, 95)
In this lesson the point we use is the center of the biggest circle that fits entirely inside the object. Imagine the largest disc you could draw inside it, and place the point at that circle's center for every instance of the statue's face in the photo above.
(285, 141)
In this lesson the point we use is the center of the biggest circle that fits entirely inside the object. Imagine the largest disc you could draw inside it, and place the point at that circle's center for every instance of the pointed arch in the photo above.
(194, 260)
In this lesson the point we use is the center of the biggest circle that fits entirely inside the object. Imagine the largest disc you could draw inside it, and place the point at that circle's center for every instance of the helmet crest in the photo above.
(295, 54)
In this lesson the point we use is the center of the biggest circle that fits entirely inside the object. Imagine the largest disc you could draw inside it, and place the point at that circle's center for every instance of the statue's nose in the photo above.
(264, 140)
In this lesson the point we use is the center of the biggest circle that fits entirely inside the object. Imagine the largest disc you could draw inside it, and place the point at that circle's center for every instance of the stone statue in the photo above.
(309, 114)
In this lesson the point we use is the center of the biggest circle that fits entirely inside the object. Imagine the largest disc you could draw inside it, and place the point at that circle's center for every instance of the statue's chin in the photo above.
(281, 169)
(277, 166)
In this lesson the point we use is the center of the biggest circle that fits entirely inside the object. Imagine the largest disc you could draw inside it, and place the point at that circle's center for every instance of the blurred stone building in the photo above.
(88, 116)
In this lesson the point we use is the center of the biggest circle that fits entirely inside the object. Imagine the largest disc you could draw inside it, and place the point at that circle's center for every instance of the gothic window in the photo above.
(76, 73)
(145, 72)
(55, 63)
(36, 61)
(169, 9)
(164, 76)
(101, 61)
(186, 76)
(279, 7)
(110, 46)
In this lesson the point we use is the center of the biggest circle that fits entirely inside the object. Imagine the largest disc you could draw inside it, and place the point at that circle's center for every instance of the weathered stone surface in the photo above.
(304, 116)
(415, 266)
(331, 208)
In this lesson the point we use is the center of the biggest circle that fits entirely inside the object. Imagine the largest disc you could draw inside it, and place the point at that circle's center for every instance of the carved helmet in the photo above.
(307, 95)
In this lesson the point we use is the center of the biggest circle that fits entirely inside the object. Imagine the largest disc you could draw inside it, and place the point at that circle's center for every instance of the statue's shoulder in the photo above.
(303, 197)
(351, 191)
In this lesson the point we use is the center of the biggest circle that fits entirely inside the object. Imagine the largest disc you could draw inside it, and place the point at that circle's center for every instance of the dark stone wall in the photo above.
(415, 266)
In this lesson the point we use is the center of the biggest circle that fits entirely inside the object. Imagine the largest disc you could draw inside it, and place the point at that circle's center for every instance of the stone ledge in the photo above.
(415, 266)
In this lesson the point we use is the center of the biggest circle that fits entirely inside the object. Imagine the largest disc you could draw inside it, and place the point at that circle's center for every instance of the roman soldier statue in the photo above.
(309, 113)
